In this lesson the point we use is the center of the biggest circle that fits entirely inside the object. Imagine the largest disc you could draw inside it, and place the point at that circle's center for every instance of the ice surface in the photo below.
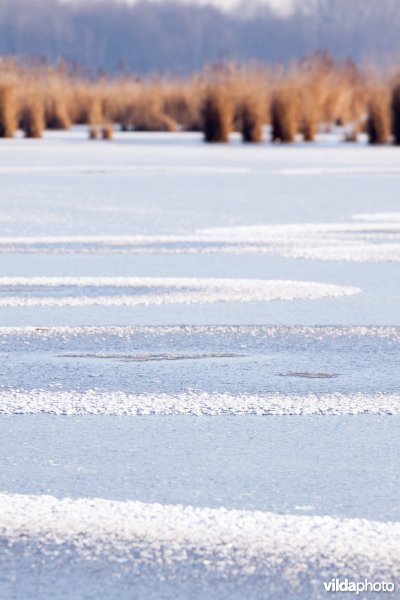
(120, 363)
(317, 465)
(166, 430)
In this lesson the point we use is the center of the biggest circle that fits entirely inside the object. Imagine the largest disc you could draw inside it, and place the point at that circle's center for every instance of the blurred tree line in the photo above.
(180, 38)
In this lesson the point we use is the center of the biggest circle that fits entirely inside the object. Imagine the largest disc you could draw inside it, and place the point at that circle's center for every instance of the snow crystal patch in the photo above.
(368, 241)
(255, 331)
(364, 241)
(313, 231)
(134, 291)
(93, 402)
(348, 252)
(279, 554)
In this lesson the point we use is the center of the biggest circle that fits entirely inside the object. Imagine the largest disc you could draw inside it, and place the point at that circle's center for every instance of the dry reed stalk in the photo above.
(217, 113)
(318, 79)
(352, 113)
(8, 110)
(250, 92)
(117, 102)
(148, 109)
(183, 100)
(331, 100)
(108, 93)
(107, 131)
(310, 109)
(79, 103)
(124, 107)
(354, 101)
(311, 90)
(32, 116)
(378, 120)
(396, 112)
(95, 117)
(140, 107)
(284, 112)
(251, 118)
(57, 105)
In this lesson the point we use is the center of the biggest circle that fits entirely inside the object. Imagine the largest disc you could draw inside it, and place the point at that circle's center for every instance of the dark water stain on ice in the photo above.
(310, 375)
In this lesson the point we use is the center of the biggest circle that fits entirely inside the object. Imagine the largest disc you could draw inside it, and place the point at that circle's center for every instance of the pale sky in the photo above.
(280, 6)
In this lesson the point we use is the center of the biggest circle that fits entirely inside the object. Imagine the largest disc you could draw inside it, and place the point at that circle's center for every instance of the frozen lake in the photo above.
(199, 367)
(282, 464)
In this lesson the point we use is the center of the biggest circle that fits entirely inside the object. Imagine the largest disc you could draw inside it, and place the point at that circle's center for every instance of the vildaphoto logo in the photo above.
(358, 587)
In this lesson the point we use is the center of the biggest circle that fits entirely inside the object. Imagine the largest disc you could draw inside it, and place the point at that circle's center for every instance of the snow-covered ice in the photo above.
(256, 553)
(120, 403)
(148, 290)
(199, 389)
(369, 240)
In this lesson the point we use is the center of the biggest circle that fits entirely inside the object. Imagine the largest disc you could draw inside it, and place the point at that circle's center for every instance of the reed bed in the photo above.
(284, 112)
(251, 94)
(378, 124)
(258, 102)
(395, 106)
(32, 116)
(217, 113)
(8, 108)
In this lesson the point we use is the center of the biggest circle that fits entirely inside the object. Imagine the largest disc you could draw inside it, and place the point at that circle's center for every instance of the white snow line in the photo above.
(93, 402)
(347, 252)
(93, 239)
(366, 241)
(237, 234)
(126, 169)
(236, 543)
(386, 217)
(189, 330)
(162, 282)
(354, 170)
(162, 290)
(277, 232)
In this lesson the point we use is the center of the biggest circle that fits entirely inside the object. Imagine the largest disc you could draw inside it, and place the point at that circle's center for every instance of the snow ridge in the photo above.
(94, 402)
(160, 290)
(248, 546)
(373, 237)
(255, 331)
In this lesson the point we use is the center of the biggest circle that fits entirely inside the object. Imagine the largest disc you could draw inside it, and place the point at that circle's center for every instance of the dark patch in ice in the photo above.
(309, 375)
